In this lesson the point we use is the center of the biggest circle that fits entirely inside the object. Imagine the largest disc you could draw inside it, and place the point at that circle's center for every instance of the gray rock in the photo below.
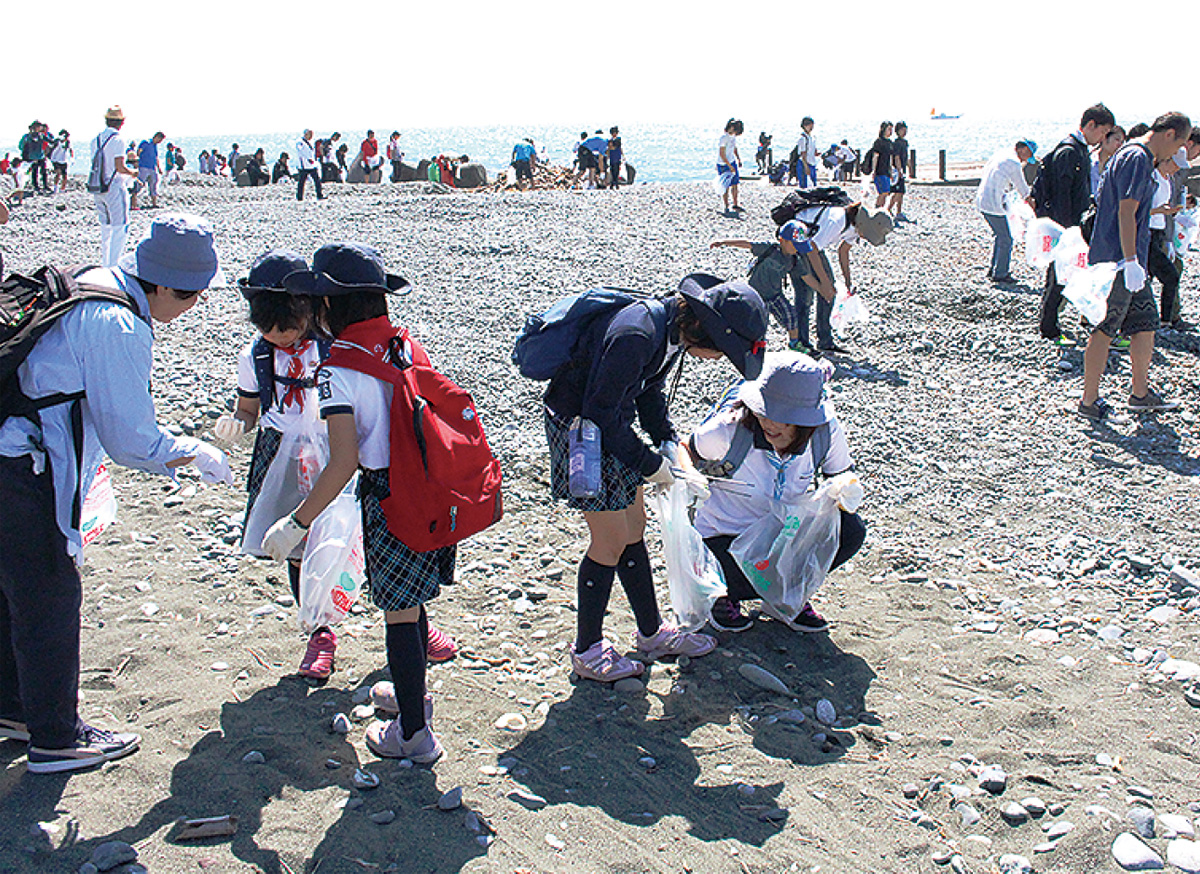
(1175, 825)
(1141, 792)
(1014, 864)
(528, 800)
(452, 800)
(1142, 819)
(629, 686)
(1133, 855)
(88, 868)
(910, 790)
(993, 779)
(1014, 814)
(969, 815)
(1184, 855)
(471, 175)
(1034, 805)
(1056, 830)
(383, 817)
(254, 757)
(110, 854)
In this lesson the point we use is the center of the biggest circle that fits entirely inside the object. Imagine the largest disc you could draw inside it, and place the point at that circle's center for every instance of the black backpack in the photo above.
(804, 198)
(96, 181)
(29, 307)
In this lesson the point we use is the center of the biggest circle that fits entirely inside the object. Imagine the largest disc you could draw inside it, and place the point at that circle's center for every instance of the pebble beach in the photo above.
(1008, 684)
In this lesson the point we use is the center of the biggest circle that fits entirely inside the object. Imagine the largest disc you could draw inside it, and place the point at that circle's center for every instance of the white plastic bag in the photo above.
(723, 182)
(99, 507)
(1088, 290)
(848, 309)
(693, 573)
(1187, 229)
(303, 454)
(1041, 236)
(333, 569)
(787, 553)
(1070, 254)
(1019, 214)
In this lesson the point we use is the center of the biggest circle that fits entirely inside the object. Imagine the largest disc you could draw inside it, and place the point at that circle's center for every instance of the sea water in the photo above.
(660, 152)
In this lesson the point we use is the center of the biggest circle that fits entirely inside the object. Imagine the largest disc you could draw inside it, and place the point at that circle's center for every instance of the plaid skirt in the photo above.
(266, 446)
(397, 577)
(618, 482)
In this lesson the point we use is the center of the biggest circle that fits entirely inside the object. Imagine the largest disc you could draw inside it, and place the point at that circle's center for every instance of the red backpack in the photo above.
(444, 480)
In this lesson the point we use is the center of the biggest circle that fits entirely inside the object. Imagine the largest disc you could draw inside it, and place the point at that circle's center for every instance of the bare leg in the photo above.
(1141, 350)
(1095, 360)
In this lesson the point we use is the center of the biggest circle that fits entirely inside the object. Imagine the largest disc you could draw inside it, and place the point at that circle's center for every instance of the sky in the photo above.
(191, 69)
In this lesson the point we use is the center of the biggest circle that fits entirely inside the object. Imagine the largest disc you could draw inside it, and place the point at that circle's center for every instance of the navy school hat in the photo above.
(733, 315)
(269, 270)
(344, 268)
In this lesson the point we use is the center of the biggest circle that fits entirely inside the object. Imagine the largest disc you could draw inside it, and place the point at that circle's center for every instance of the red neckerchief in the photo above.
(295, 371)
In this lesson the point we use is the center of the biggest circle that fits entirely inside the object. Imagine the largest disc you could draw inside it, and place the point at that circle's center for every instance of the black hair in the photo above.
(1194, 136)
(731, 123)
(334, 314)
(1139, 129)
(691, 332)
(750, 422)
(806, 120)
(1099, 114)
(900, 124)
(883, 126)
(278, 310)
(1117, 129)
(1173, 121)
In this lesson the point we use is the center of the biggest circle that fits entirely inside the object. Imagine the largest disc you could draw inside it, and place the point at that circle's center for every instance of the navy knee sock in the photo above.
(637, 579)
(406, 661)
(294, 580)
(594, 588)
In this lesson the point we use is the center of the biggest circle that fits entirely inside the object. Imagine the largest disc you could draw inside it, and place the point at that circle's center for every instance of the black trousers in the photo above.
(1167, 272)
(36, 169)
(301, 175)
(1052, 304)
(854, 532)
(40, 597)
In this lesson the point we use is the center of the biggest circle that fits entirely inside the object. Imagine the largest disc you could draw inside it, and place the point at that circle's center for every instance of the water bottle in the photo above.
(583, 440)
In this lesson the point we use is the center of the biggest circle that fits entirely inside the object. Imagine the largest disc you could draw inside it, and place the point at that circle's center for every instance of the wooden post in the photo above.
(912, 163)
(942, 164)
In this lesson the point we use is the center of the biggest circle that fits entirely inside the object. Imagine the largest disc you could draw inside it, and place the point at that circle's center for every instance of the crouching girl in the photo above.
(794, 433)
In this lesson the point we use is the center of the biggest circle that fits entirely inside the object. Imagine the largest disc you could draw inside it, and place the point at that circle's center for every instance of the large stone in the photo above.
(1184, 855)
(472, 175)
(110, 854)
(1133, 855)
(356, 175)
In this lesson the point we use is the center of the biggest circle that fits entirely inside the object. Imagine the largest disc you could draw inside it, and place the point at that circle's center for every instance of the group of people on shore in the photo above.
(598, 158)
(1125, 191)
(885, 164)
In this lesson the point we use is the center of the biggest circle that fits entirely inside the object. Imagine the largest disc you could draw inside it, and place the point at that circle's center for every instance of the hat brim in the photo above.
(180, 280)
(317, 284)
(780, 410)
(741, 354)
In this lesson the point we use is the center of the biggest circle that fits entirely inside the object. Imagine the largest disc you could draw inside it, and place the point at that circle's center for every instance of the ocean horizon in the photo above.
(660, 152)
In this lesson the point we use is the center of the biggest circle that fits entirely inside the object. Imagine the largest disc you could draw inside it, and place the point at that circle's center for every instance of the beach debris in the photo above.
(206, 827)
(512, 722)
(764, 679)
(110, 854)
(340, 724)
(555, 841)
(528, 800)
(451, 800)
(365, 779)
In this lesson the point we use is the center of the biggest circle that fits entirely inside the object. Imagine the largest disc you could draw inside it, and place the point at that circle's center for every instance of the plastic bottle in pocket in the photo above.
(583, 441)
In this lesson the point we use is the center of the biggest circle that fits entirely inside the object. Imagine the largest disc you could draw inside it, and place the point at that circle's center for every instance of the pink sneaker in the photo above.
(603, 663)
(440, 647)
(318, 656)
(670, 641)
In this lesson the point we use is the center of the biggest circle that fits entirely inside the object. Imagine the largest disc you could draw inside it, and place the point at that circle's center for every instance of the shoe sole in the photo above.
(740, 628)
(17, 734)
(655, 655)
(57, 766)
(768, 610)
(585, 674)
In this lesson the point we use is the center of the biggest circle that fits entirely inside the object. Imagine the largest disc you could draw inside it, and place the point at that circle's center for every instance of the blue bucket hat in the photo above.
(344, 268)
(791, 390)
(269, 270)
(733, 316)
(177, 252)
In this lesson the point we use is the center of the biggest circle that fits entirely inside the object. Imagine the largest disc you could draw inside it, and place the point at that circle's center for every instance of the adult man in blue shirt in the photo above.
(524, 158)
(1122, 234)
(148, 165)
(91, 370)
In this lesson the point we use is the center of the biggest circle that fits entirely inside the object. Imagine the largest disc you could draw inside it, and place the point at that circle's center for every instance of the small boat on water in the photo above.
(934, 115)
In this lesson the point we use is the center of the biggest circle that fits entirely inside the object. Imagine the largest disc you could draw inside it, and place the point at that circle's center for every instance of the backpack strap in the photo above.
(818, 445)
(263, 354)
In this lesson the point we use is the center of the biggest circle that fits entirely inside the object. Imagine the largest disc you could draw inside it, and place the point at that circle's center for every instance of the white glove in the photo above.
(229, 428)
(663, 476)
(210, 461)
(1135, 275)
(847, 491)
(283, 537)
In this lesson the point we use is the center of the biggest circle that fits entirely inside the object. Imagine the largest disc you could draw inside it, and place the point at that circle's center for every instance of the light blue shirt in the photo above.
(104, 350)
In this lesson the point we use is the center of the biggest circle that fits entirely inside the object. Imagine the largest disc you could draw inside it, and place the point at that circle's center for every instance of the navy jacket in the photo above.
(618, 373)
(1070, 169)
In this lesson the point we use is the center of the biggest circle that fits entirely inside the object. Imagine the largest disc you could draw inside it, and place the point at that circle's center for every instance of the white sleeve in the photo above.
(838, 459)
(713, 437)
(335, 393)
(247, 379)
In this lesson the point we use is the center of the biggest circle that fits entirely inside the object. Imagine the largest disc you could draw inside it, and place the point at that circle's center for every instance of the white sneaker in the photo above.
(385, 739)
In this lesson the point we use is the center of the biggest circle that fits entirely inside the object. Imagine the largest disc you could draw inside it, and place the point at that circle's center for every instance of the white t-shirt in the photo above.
(726, 149)
(806, 148)
(831, 227)
(114, 147)
(61, 154)
(1000, 173)
(1162, 197)
(772, 477)
(341, 390)
(283, 415)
